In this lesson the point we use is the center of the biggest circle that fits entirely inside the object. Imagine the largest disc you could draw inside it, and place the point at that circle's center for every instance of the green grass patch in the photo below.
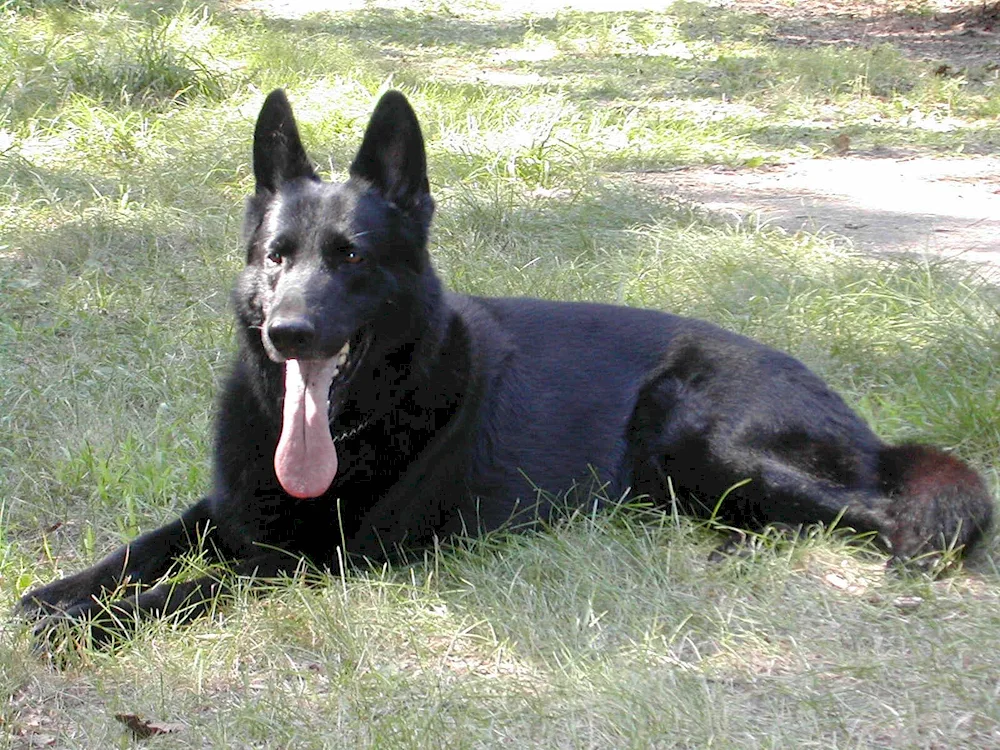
(125, 135)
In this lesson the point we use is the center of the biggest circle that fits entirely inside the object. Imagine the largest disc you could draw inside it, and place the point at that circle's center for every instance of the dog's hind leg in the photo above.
(785, 497)
(138, 564)
(923, 503)
(680, 456)
(790, 495)
(752, 494)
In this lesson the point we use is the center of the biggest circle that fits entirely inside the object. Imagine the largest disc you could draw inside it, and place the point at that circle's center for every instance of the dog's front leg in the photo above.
(102, 623)
(139, 563)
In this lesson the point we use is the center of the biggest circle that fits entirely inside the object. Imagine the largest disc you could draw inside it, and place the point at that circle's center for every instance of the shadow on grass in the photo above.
(883, 138)
(954, 36)
(595, 59)
(599, 58)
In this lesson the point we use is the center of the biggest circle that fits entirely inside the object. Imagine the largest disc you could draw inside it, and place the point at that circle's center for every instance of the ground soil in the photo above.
(914, 205)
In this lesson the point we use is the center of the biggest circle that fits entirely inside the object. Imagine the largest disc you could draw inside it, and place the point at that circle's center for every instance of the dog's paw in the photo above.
(57, 597)
(734, 546)
(928, 564)
(35, 606)
(88, 625)
(745, 545)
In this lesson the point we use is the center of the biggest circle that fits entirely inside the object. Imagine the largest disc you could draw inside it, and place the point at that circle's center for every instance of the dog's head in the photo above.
(334, 271)
(327, 261)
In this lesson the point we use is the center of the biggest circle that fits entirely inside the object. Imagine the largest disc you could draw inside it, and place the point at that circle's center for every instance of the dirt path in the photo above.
(915, 204)
(949, 206)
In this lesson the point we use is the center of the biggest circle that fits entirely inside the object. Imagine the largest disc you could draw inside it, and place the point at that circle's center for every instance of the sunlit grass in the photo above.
(124, 146)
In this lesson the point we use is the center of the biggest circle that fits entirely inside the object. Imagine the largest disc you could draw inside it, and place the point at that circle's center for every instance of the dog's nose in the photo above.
(293, 337)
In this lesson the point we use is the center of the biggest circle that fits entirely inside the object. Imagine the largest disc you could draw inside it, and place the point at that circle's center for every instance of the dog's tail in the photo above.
(936, 502)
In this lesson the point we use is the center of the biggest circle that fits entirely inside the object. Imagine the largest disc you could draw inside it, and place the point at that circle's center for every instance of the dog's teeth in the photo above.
(342, 354)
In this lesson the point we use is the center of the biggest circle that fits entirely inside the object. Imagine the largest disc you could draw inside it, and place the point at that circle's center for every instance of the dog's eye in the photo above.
(276, 253)
(351, 255)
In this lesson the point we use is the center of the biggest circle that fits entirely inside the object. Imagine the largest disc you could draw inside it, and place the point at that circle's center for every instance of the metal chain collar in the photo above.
(346, 434)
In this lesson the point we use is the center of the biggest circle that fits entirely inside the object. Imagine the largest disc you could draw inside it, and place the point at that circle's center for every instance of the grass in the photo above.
(124, 147)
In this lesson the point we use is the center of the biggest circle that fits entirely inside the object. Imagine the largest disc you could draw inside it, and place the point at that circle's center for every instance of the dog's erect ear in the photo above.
(392, 156)
(278, 155)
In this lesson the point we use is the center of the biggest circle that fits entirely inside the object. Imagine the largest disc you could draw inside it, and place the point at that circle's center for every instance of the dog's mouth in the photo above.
(306, 460)
(347, 360)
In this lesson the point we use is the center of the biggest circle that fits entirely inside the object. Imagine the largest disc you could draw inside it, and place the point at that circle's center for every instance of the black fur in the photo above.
(462, 414)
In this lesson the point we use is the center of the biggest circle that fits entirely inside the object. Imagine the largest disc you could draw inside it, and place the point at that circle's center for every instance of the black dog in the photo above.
(371, 411)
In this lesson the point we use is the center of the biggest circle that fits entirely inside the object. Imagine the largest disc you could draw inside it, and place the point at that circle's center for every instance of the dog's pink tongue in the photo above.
(306, 461)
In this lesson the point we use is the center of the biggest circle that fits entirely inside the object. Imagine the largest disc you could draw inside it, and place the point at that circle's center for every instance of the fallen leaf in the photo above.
(907, 603)
(144, 729)
(837, 581)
